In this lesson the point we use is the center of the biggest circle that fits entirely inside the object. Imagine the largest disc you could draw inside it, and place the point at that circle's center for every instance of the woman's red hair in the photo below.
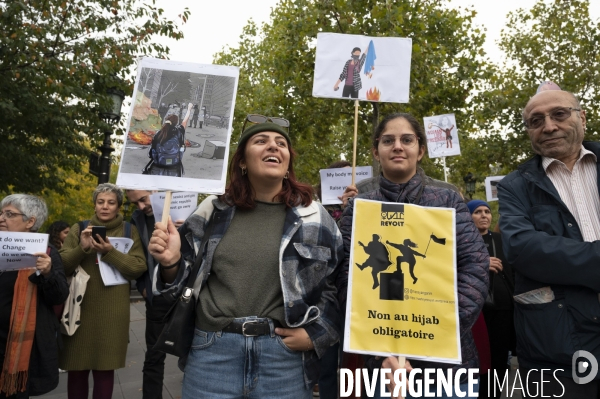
(239, 192)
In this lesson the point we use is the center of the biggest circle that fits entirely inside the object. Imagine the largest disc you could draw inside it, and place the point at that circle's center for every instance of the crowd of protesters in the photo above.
(271, 271)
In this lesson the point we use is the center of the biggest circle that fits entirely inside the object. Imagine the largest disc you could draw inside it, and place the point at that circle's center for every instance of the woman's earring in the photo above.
(287, 174)
(244, 170)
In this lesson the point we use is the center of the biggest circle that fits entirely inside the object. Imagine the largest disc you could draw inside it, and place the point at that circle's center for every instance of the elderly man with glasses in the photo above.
(550, 227)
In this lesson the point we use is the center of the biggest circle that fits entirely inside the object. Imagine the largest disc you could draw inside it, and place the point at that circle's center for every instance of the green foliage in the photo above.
(277, 63)
(57, 60)
(555, 41)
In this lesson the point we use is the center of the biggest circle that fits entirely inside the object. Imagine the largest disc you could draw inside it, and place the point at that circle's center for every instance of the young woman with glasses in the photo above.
(266, 288)
(399, 145)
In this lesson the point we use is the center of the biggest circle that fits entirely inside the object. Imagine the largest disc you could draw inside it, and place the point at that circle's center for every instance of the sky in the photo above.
(215, 24)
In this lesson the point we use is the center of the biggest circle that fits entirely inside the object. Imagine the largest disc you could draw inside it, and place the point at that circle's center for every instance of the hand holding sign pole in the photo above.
(167, 207)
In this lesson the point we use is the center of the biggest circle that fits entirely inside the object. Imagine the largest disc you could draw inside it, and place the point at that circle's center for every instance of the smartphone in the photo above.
(98, 230)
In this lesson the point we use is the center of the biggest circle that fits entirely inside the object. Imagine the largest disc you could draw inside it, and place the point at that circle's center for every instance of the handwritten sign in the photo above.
(110, 274)
(16, 249)
(335, 181)
(182, 205)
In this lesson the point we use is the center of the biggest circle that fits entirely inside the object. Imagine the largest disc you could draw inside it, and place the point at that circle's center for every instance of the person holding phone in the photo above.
(100, 342)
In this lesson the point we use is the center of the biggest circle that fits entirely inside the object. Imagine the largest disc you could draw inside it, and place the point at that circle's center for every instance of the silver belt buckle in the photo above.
(244, 328)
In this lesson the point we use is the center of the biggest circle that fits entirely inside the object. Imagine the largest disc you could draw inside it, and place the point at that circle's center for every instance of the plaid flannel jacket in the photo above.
(310, 253)
(356, 82)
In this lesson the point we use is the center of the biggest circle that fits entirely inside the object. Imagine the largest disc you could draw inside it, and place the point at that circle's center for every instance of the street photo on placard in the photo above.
(179, 127)
(357, 67)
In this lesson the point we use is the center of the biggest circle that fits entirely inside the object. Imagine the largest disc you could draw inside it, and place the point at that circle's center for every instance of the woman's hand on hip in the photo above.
(165, 244)
(296, 339)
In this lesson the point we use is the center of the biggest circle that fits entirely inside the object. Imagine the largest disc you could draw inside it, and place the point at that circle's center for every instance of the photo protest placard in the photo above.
(442, 136)
(179, 127)
(491, 187)
(335, 181)
(182, 205)
(362, 68)
(16, 249)
(402, 292)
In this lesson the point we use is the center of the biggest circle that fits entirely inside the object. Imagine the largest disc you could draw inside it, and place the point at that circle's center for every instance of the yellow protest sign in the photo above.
(402, 282)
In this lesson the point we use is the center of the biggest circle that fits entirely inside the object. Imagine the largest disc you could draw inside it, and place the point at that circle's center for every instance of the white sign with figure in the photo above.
(179, 111)
(182, 205)
(442, 136)
(491, 187)
(16, 249)
(335, 181)
(362, 68)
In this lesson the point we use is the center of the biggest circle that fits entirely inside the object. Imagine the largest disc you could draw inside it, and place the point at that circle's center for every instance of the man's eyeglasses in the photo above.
(10, 214)
(560, 114)
(256, 118)
(407, 140)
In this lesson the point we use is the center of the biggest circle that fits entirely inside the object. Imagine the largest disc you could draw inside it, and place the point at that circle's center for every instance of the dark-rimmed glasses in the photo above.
(407, 140)
(10, 214)
(256, 118)
(559, 114)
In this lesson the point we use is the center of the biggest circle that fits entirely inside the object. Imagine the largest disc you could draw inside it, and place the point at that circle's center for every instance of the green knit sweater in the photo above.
(100, 342)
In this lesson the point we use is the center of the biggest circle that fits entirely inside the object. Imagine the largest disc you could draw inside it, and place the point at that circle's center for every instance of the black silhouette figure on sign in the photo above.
(408, 256)
(379, 258)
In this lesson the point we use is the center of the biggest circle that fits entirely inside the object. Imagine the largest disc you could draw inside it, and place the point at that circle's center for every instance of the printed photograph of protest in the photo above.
(179, 126)
(362, 68)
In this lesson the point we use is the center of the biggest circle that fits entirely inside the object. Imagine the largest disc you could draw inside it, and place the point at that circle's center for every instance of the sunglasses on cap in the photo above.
(256, 118)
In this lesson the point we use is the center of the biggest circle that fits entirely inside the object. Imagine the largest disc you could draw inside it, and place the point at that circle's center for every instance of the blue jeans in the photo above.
(224, 365)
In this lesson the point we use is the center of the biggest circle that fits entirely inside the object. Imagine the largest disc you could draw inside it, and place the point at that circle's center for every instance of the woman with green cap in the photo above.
(266, 289)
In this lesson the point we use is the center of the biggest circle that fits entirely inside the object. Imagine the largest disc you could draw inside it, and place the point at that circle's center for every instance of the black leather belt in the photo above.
(251, 328)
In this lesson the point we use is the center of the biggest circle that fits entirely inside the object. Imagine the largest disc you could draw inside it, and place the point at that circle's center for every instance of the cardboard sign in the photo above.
(442, 136)
(402, 291)
(335, 181)
(182, 205)
(357, 67)
(16, 249)
(179, 127)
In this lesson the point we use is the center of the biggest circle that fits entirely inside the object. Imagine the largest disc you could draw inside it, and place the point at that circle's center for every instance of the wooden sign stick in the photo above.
(167, 206)
(355, 140)
(402, 361)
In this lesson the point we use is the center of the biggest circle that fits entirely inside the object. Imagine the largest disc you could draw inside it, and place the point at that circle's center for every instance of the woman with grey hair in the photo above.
(100, 342)
(28, 326)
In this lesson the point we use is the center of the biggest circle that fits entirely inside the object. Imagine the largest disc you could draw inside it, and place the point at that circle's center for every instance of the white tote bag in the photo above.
(70, 319)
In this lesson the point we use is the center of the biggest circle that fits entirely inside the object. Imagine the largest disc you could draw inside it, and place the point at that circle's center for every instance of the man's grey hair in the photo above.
(30, 206)
(109, 188)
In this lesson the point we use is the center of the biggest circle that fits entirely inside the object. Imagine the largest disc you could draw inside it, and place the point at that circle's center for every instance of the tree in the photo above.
(57, 60)
(277, 62)
(543, 43)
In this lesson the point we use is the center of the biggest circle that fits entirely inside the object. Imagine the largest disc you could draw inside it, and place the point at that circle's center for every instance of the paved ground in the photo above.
(128, 380)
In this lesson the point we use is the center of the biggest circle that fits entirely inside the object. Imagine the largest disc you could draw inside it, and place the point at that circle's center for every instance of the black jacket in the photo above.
(43, 364)
(543, 243)
(145, 280)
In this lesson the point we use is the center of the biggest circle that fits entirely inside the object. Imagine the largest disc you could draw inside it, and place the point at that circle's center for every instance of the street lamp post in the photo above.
(100, 166)
(470, 181)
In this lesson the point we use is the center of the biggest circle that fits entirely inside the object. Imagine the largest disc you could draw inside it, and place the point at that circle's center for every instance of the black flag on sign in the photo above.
(438, 240)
